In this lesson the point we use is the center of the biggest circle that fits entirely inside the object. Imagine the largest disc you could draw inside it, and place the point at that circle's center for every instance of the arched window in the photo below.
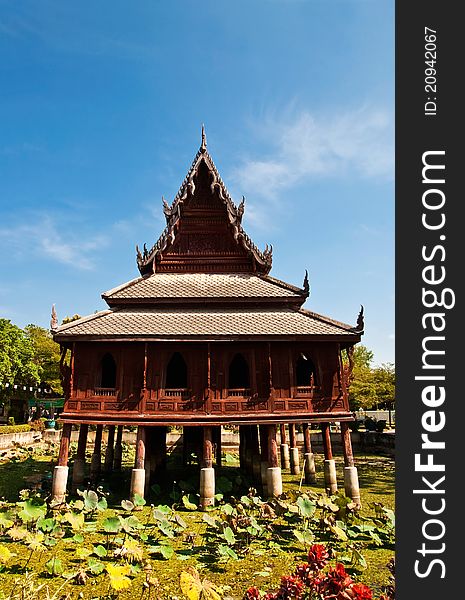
(305, 372)
(176, 373)
(239, 376)
(108, 372)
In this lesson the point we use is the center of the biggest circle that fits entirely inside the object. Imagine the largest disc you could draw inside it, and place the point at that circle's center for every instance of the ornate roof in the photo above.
(204, 323)
(147, 259)
(204, 288)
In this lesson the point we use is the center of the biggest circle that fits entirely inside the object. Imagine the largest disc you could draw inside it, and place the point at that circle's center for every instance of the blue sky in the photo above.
(101, 105)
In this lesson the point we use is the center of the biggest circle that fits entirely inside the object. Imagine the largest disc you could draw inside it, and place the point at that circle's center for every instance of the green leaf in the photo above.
(82, 552)
(32, 509)
(186, 500)
(90, 499)
(229, 536)
(54, 566)
(5, 520)
(228, 509)
(76, 520)
(227, 552)
(210, 521)
(78, 538)
(46, 524)
(112, 525)
(95, 566)
(100, 551)
(102, 504)
(340, 533)
(305, 537)
(139, 500)
(306, 506)
(180, 521)
(127, 505)
(166, 529)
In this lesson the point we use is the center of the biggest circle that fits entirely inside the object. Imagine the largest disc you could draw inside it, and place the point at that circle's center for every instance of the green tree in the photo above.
(17, 361)
(370, 387)
(46, 356)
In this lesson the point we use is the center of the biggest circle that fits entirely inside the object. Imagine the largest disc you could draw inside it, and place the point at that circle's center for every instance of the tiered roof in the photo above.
(224, 292)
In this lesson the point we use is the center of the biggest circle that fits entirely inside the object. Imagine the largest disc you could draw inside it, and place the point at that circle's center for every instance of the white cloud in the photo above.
(43, 237)
(306, 146)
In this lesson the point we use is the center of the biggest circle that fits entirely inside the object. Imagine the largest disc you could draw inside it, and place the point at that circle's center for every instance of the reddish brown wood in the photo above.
(307, 438)
(144, 383)
(282, 428)
(272, 446)
(110, 451)
(82, 442)
(347, 445)
(327, 449)
(264, 445)
(64, 445)
(292, 436)
(98, 439)
(218, 446)
(207, 459)
(139, 462)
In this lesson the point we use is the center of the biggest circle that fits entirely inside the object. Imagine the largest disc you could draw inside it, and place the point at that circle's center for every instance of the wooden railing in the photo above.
(238, 393)
(103, 391)
(306, 390)
(177, 393)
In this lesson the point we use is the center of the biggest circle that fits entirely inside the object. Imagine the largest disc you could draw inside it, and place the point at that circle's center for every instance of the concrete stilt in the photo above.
(137, 483)
(275, 481)
(59, 481)
(351, 485)
(330, 476)
(207, 487)
(310, 471)
(285, 456)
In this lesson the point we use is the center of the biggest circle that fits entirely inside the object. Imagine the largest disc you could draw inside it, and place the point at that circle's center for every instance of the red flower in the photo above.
(317, 557)
(291, 588)
(252, 593)
(361, 592)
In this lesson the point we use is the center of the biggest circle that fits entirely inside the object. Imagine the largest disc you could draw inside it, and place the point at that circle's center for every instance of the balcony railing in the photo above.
(103, 391)
(177, 393)
(307, 390)
(239, 393)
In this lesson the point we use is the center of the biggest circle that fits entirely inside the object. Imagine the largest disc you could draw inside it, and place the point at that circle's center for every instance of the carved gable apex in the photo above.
(204, 228)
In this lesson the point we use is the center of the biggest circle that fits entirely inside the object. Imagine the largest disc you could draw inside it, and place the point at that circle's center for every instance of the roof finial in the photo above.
(203, 147)
(54, 319)
(306, 286)
(360, 320)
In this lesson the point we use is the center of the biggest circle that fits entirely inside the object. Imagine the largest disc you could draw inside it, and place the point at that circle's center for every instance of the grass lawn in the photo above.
(259, 567)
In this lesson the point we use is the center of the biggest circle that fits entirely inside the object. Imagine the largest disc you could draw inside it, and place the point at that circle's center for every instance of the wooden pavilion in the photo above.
(203, 338)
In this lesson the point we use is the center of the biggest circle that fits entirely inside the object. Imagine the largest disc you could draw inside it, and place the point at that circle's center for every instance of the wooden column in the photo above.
(264, 453)
(347, 445)
(60, 472)
(64, 445)
(242, 448)
(139, 462)
(351, 484)
(272, 447)
(80, 460)
(274, 479)
(307, 439)
(282, 430)
(207, 458)
(96, 463)
(292, 438)
(118, 455)
(326, 433)
(310, 472)
(138, 474)
(218, 431)
(110, 451)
